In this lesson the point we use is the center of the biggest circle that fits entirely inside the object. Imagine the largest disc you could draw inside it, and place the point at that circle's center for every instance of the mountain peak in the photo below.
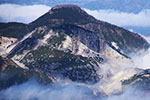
(66, 6)
(69, 10)
(64, 14)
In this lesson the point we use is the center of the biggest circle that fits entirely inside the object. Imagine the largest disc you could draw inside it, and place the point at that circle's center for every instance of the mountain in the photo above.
(68, 44)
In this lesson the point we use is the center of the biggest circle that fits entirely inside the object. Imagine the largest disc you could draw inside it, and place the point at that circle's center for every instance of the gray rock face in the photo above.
(40, 51)
(127, 42)
(88, 38)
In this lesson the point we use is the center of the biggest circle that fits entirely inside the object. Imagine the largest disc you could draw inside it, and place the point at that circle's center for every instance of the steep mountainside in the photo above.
(46, 47)
(127, 42)
(66, 54)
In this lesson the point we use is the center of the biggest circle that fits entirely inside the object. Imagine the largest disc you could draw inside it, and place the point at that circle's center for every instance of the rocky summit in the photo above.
(66, 43)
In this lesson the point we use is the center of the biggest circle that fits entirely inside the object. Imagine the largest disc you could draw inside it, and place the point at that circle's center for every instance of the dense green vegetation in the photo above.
(55, 61)
(12, 76)
(56, 40)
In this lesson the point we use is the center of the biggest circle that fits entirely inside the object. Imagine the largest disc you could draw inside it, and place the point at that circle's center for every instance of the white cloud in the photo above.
(122, 18)
(21, 13)
(147, 38)
(32, 90)
(142, 60)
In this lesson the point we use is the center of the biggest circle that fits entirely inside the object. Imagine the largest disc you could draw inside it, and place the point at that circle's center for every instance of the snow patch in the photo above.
(115, 45)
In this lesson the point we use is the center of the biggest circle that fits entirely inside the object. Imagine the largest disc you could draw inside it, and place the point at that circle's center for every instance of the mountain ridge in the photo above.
(71, 14)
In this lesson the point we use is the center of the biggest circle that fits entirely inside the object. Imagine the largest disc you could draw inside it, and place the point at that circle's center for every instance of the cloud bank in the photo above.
(32, 90)
(21, 13)
(122, 18)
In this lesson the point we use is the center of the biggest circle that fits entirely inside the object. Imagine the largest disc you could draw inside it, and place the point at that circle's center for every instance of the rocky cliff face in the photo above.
(5, 43)
(67, 43)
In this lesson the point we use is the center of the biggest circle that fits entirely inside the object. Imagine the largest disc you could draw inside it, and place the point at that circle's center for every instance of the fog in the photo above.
(131, 94)
(32, 90)
(143, 59)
